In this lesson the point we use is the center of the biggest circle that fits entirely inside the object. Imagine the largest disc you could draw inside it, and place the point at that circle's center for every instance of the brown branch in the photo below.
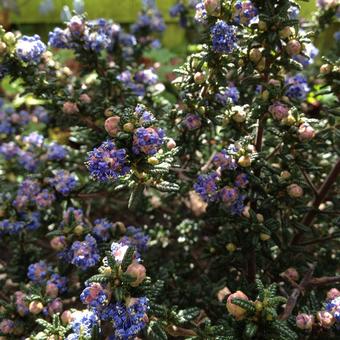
(292, 300)
(325, 280)
(277, 148)
(309, 181)
(319, 198)
(319, 240)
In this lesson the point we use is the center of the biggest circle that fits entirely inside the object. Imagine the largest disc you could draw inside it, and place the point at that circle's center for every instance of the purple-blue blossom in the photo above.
(107, 162)
(30, 49)
(223, 37)
(147, 140)
(84, 253)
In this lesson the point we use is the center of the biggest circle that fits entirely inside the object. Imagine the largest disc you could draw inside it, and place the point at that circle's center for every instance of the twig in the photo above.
(319, 198)
(326, 280)
(277, 148)
(318, 240)
(292, 300)
(309, 181)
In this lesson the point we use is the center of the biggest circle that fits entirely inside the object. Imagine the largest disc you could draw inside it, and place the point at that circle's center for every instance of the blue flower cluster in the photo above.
(63, 182)
(107, 162)
(223, 37)
(30, 49)
(147, 140)
(139, 82)
(101, 229)
(244, 12)
(82, 324)
(297, 87)
(84, 254)
(94, 36)
(94, 296)
(38, 272)
(227, 95)
(129, 320)
(333, 307)
(228, 189)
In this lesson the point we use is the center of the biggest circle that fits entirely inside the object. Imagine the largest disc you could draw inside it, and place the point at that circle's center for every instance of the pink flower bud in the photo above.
(66, 317)
(199, 77)
(305, 321)
(325, 319)
(279, 110)
(70, 108)
(306, 132)
(6, 326)
(236, 311)
(137, 271)
(293, 47)
(291, 273)
(54, 307)
(171, 144)
(76, 25)
(58, 243)
(294, 191)
(36, 307)
(112, 125)
(52, 290)
(213, 7)
(333, 293)
(85, 98)
(223, 293)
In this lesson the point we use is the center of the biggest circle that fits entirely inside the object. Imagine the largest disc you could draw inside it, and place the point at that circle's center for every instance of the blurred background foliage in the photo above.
(39, 16)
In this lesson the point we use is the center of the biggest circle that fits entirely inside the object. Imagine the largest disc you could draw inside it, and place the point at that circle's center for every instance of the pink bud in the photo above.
(54, 307)
(36, 307)
(279, 110)
(85, 98)
(223, 293)
(76, 25)
(306, 132)
(333, 293)
(66, 317)
(292, 273)
(294, 191)
(326, 319)
(58, 243)
(112, 125)
(199, 77)
(52, 290)
(171, 144)
(70, 108)
(304, 321)
(6, 326)
(293, 47)
(213, 7)
(137, 271)
(236, 311)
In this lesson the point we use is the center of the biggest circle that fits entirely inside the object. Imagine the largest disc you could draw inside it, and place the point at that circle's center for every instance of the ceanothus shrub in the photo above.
(204, 208)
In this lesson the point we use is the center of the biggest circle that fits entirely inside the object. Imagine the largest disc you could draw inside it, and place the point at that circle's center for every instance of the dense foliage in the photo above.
(202, 208)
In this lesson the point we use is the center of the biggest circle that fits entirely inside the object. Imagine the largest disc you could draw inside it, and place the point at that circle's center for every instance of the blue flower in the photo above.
(83, 324)
(224, 160)
(38, 272)
(147, 140)
(11, 227)
(206, 186)
(101, 229)
(230, 94)
(107, 162)
(63, 182)
(56, 152)
(94, 296)
(135, 237)
(128, 320)
(223, 37)
(297, 87)
(30, 49)
(59, 281)
(59, 38)
(85, 254)
(244, 12)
